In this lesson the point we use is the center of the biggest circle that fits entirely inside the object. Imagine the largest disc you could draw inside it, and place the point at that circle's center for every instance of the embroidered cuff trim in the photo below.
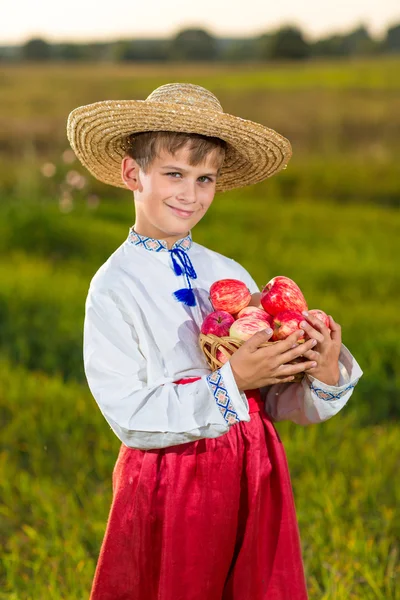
(328, 395)
(224, 403)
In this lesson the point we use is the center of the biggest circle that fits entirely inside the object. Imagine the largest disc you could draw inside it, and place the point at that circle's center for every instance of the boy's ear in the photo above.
(130, 173)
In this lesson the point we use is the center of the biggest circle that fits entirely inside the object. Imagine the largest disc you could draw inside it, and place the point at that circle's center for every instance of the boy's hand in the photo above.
(254, 365)
(326, 352)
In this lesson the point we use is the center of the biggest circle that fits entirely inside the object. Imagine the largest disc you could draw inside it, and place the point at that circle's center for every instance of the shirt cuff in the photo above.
(232, 403)
(350, 373)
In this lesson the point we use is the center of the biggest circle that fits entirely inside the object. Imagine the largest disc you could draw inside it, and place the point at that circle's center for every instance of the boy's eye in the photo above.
(201, 177)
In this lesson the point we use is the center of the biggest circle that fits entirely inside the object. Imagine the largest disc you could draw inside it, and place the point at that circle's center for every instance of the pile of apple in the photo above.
(240, 314)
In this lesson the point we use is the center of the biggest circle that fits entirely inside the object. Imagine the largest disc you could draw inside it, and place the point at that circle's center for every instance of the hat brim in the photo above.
(96, 131)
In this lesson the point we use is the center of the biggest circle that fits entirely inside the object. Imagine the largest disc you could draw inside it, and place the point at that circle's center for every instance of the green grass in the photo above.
(329, 221)
(56, 462)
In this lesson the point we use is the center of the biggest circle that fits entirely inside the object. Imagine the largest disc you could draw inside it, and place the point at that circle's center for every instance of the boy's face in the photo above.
(171, 183)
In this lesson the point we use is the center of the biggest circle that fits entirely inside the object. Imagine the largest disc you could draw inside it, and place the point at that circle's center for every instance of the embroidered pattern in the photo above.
(178, 254)
(224, 403)
(328, 395)
(157, 245)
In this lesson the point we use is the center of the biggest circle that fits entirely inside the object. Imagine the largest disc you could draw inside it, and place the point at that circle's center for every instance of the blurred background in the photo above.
(327, 78)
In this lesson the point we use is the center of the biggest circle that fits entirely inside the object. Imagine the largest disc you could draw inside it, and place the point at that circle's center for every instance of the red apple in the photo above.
(244, 328)
(320, 314)
(253, 311)
(282, 293)
(218, 323)
(230, 295)
(285, 323)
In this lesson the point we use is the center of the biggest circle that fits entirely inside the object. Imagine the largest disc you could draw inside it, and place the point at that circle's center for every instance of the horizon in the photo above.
(41, 19)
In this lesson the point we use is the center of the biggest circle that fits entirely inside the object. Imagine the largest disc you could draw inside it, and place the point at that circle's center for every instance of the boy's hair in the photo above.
(145, 146)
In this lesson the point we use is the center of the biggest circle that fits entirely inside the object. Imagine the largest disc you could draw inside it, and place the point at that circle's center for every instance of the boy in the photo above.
(202, 501)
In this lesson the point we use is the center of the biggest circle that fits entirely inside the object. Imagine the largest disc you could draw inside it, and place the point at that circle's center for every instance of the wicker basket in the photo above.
(210, 343)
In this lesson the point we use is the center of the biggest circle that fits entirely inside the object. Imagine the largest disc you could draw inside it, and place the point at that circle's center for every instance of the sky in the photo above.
(98, 20)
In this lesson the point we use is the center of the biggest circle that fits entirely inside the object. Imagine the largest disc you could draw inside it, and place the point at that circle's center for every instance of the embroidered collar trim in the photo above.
(157, 245)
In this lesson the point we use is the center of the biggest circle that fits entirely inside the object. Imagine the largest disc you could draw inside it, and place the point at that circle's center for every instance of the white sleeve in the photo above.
(311, 400)
(156, 415)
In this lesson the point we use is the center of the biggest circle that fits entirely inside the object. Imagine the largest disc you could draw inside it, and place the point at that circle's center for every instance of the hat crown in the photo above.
(188, 94)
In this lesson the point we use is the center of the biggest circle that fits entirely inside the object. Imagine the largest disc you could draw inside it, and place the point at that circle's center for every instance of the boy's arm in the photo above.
(311, 400)
(160, 414)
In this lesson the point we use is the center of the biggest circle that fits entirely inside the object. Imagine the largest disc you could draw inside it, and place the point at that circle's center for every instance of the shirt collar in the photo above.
(158, 245)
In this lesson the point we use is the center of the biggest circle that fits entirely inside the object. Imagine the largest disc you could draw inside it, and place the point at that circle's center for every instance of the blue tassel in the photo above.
(177, 268)
(186, 295)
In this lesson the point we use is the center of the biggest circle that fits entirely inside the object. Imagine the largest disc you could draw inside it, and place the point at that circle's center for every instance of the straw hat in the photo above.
(97, 133)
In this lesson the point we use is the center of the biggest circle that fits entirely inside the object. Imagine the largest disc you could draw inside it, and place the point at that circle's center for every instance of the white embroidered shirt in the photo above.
(139, 339)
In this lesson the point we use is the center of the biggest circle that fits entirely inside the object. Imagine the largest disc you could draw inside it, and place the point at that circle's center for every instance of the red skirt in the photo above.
(212, 519)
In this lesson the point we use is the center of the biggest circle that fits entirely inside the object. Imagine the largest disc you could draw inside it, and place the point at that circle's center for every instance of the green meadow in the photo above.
(330, 221)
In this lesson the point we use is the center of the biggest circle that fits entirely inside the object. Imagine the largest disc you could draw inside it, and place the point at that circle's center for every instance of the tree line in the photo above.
(196, 44)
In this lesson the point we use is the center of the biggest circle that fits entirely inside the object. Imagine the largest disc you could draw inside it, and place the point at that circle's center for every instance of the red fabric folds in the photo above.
(212, 519)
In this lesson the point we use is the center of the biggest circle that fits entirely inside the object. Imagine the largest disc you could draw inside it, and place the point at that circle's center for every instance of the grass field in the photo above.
(332, 224)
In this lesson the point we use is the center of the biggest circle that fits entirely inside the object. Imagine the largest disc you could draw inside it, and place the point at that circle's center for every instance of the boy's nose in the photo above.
(188, 195)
